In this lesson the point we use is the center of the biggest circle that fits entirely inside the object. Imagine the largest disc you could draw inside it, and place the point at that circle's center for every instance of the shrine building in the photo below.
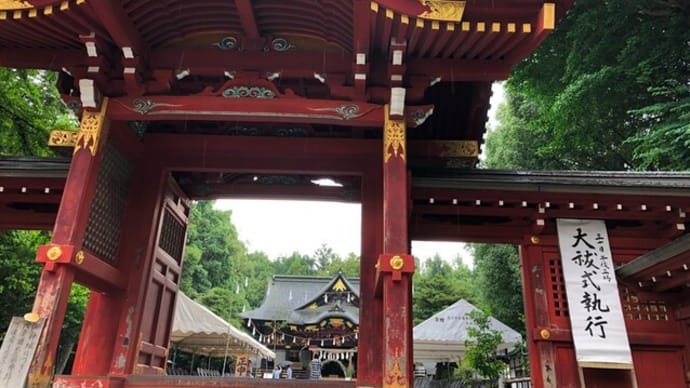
(303, 317)
(182, 101)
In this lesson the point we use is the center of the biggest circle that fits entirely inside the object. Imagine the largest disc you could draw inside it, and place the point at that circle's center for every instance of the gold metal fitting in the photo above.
(79, 257)
(397, 262)
(545, 334)
(54, 253)
(534, 240)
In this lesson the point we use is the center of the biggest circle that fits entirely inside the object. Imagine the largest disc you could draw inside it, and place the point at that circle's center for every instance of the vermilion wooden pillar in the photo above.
(99, 334)
(541, 352)
(68, 234)
(396, 266)
(370, 344)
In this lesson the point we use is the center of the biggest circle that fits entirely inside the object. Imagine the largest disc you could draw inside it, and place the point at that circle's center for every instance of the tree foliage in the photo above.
(481, 347)
(499, 284)
(30, 107)
(608, 90)
(438, 284)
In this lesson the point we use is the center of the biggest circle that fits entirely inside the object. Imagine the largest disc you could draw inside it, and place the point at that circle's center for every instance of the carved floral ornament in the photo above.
(90, 129)
(393, 138)
(395, 378)
(436, 10)
(443, 10)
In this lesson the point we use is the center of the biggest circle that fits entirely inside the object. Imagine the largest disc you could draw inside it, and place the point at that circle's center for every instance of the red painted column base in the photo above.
(395, 280)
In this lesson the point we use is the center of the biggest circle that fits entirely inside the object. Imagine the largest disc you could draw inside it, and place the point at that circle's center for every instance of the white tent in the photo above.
(198, 330)
(442, 337)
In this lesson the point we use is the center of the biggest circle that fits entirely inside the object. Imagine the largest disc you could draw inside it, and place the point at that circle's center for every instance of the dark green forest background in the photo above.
(607, 90)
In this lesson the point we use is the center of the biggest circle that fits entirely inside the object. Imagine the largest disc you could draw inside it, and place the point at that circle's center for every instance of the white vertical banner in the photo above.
(594, 305)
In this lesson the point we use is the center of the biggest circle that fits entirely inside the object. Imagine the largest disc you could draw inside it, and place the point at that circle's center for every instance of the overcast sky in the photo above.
(279, 228)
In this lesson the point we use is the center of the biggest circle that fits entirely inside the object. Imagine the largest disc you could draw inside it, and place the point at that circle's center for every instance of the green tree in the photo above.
(481, 347)
(30, 107)
(437, 285)
(606, 91)
(18, 273)
(499, 283)
(348, 266)
(295, 264)
(217, 270)
(324, 257)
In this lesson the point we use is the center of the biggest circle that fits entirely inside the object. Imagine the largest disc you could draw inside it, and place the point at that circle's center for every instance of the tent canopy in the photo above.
(441, 338)
(198, 330)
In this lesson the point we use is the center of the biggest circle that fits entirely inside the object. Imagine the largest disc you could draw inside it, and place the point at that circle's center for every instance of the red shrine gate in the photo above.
(242, 98)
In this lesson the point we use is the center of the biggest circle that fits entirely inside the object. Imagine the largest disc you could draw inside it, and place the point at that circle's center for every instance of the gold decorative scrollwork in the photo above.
(393, 137)
(90, 129)
(62, 138)
(395, 377)
(14, 4)
(443, 10)
(460, 149)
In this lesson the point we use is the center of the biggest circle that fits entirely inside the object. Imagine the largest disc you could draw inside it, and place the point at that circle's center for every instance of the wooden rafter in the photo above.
(119, 25)
(246, 12)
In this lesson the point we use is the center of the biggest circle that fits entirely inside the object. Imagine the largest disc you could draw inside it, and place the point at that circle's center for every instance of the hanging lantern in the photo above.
(282, 337)
(237, 288)
(253, 330)
(321, 342)
(325, 298)
(249, 322)
(348, 297)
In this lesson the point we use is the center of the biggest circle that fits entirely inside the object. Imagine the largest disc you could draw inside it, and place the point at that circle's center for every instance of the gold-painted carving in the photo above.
(397, 262)
(62, 138)
(339, 286)
(443, 10)
(395, 377)
(54, 253)
(90, 129)
(79, 257)
(545, 334)
(393, 138)
(14, 4)
(459, 148)
(534, 240)
(311, 328)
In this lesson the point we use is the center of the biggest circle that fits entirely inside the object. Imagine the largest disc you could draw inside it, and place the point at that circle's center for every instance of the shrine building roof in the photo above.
(304, 300)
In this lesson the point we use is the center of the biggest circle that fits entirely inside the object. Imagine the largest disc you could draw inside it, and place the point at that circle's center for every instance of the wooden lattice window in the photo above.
(107, 208)
(172, 236)
(557, 290)
(636, 310)
(633, 308)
